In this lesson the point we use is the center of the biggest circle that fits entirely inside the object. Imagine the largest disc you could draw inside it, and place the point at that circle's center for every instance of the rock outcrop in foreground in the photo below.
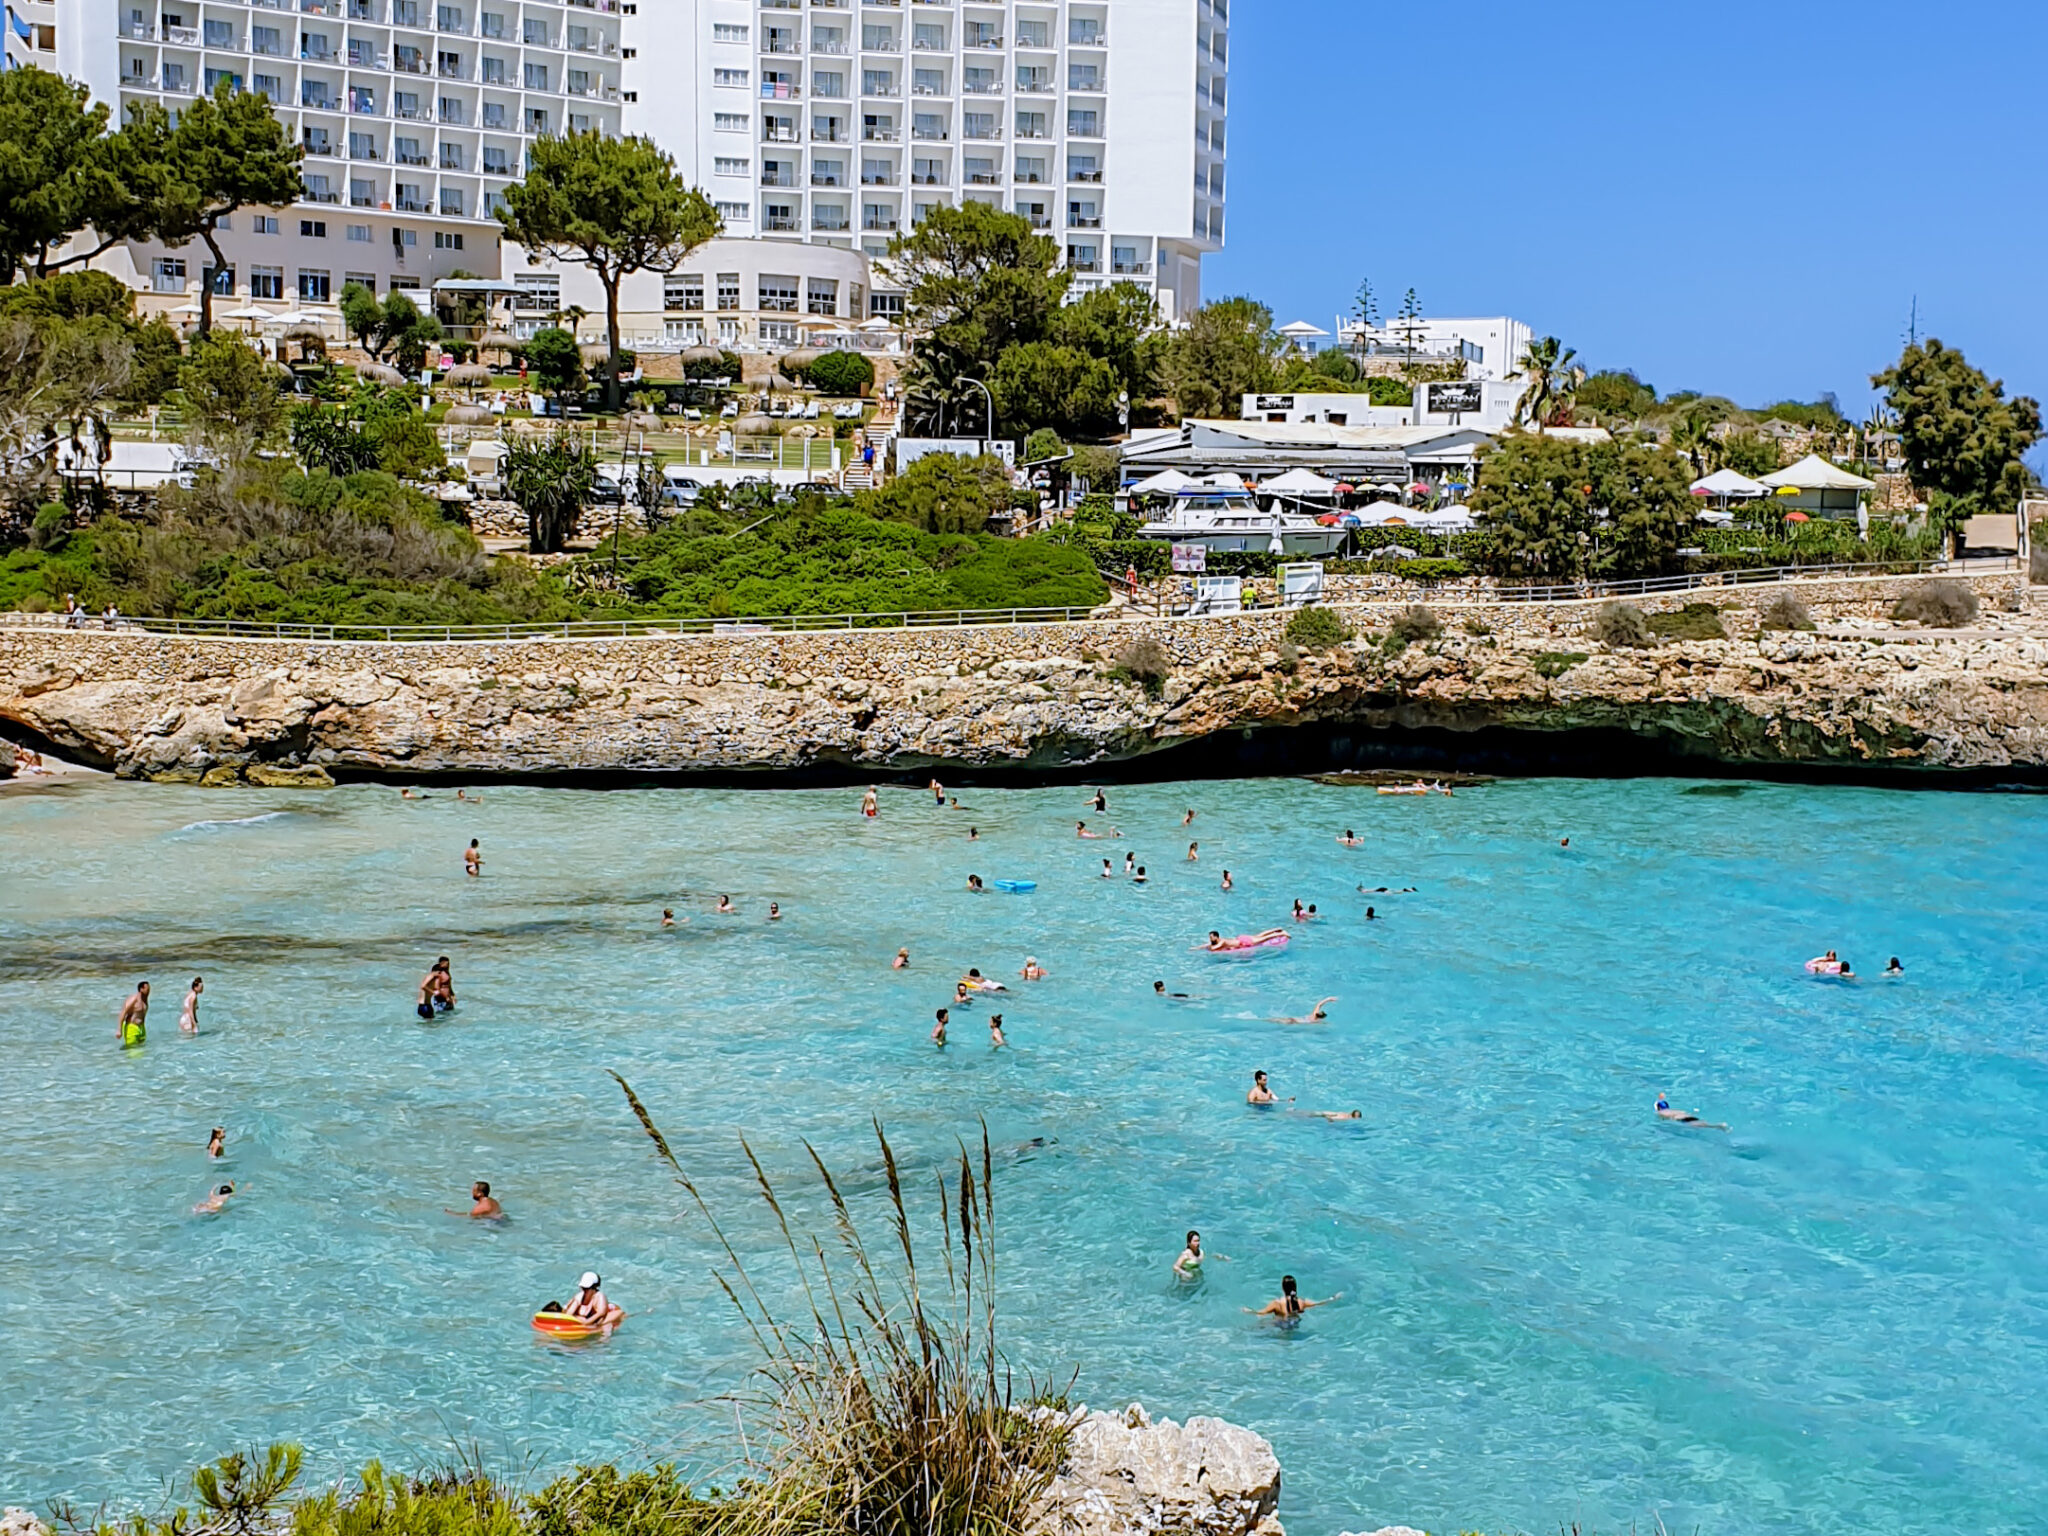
(1127, 1475)
(1859, 692)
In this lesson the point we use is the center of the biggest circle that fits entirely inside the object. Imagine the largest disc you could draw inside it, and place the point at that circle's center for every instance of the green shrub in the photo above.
(1554, 664)
(1942, 604)
(598, 1501)
(1622, 626)
(1431, 570)
(840, 373)
(1786, 612)
(52, 519)
(1476, 626)
(1317, 629)
(1415, 623)
(1695, 621)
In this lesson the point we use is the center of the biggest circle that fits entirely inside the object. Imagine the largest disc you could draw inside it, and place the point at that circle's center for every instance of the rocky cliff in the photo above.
(1858, 692)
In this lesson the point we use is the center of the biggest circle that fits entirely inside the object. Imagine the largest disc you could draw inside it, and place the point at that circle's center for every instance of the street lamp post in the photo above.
(991, 399)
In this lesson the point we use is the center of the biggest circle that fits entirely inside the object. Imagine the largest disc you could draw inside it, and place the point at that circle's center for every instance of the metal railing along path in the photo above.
(964, 618)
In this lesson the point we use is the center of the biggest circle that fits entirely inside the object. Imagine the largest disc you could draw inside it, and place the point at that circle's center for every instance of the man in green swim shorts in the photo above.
(133, 1025)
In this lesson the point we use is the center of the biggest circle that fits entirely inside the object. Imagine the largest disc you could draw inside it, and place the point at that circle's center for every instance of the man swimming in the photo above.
(188, 1011)
(938, 794)
(482, 1206)
(215, 1200)
(1081, 830)
(668, 917)
(1684, 1116)
(1289, 1304)
(1338, 1114)
(974, 884)
(1315, 1015)
(974, 834)
(1351, 839)
(939, 1029)
(870, 804)
(472, 859)
(132, 1027)
(1895, 969)
(1159, 990)
(1261, 1094)
(1386, 890)
(774, 911)
(1139, 878)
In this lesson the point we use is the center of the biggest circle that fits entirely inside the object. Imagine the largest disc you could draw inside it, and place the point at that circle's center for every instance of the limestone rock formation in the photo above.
(1127, 1475)
(1860, 693)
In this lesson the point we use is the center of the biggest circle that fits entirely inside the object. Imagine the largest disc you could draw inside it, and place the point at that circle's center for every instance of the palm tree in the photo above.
(1553, 376)
(1692, 434)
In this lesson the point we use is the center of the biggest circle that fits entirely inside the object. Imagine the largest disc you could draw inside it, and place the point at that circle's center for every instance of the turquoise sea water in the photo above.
(1554, 1307)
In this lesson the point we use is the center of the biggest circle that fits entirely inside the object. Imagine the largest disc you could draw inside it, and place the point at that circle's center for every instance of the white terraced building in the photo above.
(840, 122)
(415, 115)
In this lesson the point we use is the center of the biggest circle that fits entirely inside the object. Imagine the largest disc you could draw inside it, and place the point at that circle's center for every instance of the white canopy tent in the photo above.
(1815, 486)
(1301, 335)
(1168, 482)
(1455, 518)
(1731, 484)
(1380, 513)
(1298, 482)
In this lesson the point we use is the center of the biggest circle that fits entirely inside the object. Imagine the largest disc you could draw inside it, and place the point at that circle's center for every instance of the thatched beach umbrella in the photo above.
(800, 359)
(468, 376)
(379, 373)
(696, 356)
(759, 425)
(310, 338)
(498, 341)
(594, 353)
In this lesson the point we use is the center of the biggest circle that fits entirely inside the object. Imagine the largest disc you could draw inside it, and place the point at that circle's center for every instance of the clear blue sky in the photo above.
(1741, 198)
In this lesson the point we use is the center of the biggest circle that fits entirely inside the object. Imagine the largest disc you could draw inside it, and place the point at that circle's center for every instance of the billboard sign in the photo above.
(1454, 399)
(1218, 594)
(1301, 583)
(1190, 559)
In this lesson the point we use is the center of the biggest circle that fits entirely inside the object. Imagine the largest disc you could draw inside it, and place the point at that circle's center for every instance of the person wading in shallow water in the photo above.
(1290, 1304)
(132, 1027)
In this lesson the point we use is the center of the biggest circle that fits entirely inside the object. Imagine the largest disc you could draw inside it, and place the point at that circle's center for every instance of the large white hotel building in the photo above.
(819, 127)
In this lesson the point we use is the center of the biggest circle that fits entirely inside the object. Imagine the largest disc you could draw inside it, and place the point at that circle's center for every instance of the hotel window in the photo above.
(367, 281)
(453, 204)
(536, 77)
(731, 77)
(494, 71)
(782, 332)
(1032, 34)
(167, 275)
(822, 296)
(536, 33)
(497, 161)
(314, 285)
(493, 114)
(778, 294)
(729, 122)
(447, 240)
(1084, 77)
(831, 83)
(539, 291)
(728, 290)
(264, 224)
(271, 86)
(684, 291)
(732, 165)
(312, 229)
(1084, 123)
(266, 282)
(735, 213)
(728, 32)
(359, 233)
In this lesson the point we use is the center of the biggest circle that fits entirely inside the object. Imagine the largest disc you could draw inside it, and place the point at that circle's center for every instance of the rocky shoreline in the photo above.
(1859, 693)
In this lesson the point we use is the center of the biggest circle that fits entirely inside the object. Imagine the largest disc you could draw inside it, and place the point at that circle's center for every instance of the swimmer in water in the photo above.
(1189, 1265)
(1564, 842)
(1351, 839)
(939, 1029)
(1130, 862)
(132, 1027)
(981, 983)
(961, 995)
(974, 834)
(870, 805)
(1895, 969)
(1371, 916)
(974, 884)
(1194, 853)
(1139, 877)
(902, 960)
(1101, 803)
(1107, 872)
(1032, 971)
(482, 1207)
(1300, 912)
(1338, 1114)
(774, 911)
(1159, 990)
(215, 1201)
(1289, 1304)
(995, 1032)
(1315, 1015)
(725, 903)
(1188, 820)
(1227, 885)
(470, 799)
(1218, 945)
(1684, 1116)
(188, 1011)
(1386, 890)
(472, 859)
(217, 1143)
(668, 917)
(938, 794)
(1081, 830)
(1261, 1093)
